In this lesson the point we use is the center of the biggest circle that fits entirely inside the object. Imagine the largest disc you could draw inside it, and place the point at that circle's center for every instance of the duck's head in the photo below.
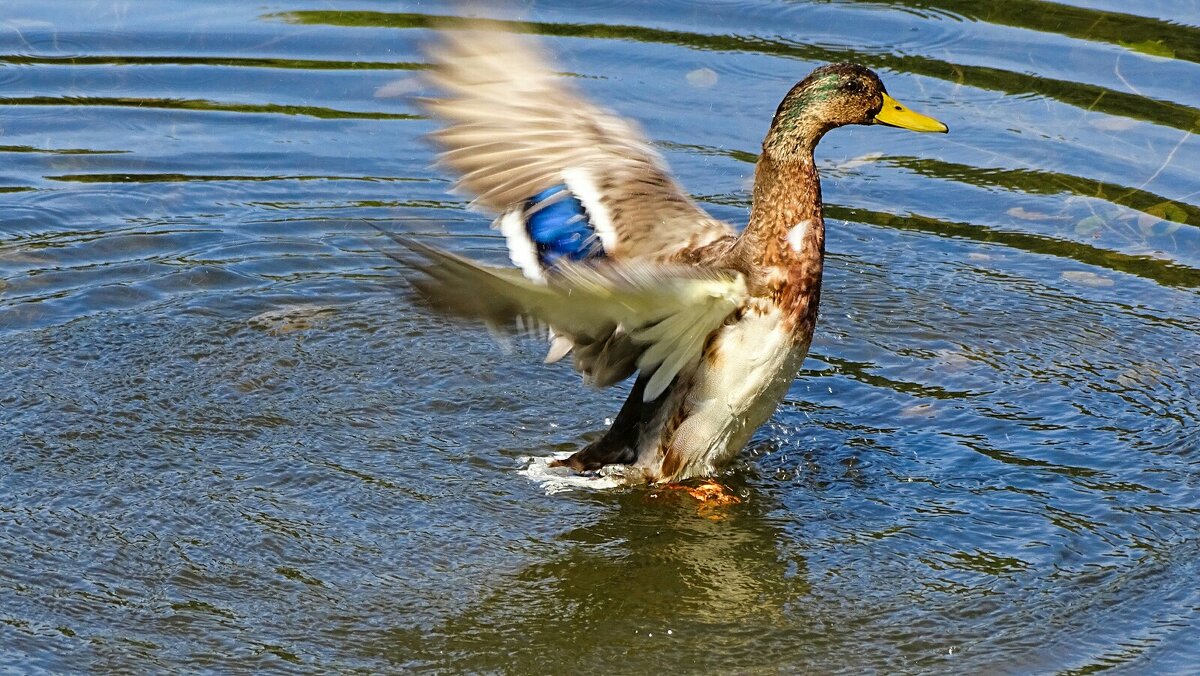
(836, 95)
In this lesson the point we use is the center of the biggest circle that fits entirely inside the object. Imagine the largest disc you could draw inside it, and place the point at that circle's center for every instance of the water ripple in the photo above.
(228, 438)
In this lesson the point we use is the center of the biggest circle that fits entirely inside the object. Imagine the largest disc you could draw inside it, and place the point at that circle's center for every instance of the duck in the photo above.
(618, 266)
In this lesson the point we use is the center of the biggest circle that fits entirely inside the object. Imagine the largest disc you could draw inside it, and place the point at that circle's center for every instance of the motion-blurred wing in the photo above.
(623, 317)
(569, 180)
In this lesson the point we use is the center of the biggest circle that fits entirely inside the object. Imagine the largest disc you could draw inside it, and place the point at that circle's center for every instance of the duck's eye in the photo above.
(853, 87)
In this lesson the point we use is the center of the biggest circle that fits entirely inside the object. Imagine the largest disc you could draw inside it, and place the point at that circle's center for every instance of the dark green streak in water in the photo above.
(1042, 183)
(239, 62)
(1089, 97)
(186, 178)
(863, 372)
(1164, 272)
(1081, 23)
(732, 153)
(59, 151)
(203, 105)
(983, 448)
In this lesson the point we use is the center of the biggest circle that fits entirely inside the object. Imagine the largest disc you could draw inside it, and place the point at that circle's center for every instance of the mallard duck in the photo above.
(621, 266)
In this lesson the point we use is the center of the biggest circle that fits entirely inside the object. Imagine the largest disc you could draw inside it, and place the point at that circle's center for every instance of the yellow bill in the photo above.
(894, 114)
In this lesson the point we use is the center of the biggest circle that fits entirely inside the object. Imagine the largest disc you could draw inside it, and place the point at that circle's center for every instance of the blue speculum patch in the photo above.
(558, 225)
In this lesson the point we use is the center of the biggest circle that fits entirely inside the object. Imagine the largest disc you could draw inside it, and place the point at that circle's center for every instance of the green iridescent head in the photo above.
(835, 95)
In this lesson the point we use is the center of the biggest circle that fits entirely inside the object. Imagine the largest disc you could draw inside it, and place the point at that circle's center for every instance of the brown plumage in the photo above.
(716, 323)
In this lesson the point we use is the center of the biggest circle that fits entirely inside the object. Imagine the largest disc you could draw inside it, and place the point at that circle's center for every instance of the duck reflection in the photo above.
(658, 571)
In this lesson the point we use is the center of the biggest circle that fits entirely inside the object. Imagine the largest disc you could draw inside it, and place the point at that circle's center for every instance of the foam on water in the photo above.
(562, 479)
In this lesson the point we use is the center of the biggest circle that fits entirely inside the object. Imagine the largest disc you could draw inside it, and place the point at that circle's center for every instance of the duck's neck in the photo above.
(786, 222)
(786, 234)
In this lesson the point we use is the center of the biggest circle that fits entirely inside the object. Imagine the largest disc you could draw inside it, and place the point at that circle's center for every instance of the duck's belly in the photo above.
(733, 391)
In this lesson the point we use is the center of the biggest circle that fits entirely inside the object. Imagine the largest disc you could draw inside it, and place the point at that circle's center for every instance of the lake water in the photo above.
(228, 441)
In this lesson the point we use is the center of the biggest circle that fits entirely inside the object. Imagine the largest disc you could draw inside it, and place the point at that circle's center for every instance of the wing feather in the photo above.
(617, 315)
(515, 128)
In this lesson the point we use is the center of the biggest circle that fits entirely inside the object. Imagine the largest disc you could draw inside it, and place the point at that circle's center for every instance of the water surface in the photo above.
(227, 440)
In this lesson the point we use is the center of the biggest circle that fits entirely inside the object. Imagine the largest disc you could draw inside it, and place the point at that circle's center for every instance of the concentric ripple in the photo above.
(228, 441)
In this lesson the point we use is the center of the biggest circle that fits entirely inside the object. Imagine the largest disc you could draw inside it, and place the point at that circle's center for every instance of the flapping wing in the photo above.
(625, 317)
(523, 139)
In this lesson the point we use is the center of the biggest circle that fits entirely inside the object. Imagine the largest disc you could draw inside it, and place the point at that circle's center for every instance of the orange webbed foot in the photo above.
(712, 496)
(710, 493)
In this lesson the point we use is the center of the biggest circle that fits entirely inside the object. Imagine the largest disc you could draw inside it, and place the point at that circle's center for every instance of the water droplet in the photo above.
(1087, 278)
(1113, 123)
(702, 77)
(399, 87)
(1029, 215)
